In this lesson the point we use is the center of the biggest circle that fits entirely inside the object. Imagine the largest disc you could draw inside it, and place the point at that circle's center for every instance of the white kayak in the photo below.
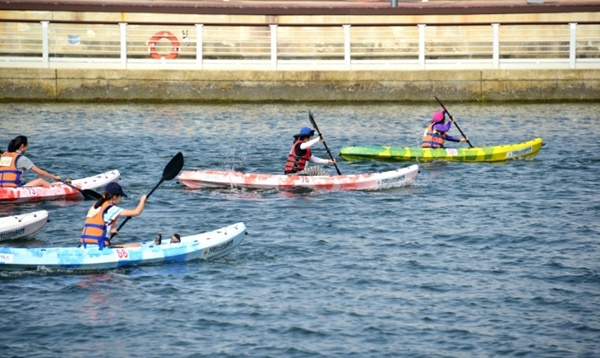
(58, 190)
(208, 245)
(22, 226)
(231, 179)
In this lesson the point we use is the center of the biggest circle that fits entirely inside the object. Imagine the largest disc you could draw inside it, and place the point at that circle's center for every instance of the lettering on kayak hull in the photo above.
(8, 234)
(221, 247)
(6, 258)
(519, 153)
(395, 180)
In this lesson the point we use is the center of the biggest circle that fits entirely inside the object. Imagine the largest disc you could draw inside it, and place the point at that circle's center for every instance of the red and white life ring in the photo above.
(175, 49)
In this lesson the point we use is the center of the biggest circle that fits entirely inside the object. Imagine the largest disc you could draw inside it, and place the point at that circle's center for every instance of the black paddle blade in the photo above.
(89, 194)
(174, 167)
(171, 170)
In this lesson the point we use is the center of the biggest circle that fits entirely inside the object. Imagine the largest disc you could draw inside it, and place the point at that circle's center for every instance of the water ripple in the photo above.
(472, 260)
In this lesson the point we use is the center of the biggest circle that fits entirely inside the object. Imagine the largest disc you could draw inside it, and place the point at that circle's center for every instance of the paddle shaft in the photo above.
(171, 170)
(456, 124)
(314, 124)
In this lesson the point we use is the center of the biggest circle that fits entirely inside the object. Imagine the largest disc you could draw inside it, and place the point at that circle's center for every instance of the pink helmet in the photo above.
(438, 117)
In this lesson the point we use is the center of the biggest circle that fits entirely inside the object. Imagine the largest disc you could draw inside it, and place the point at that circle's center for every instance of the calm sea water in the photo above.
(473, 260)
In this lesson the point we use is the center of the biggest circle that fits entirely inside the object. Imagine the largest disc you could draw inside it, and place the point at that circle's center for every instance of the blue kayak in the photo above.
(206, 246)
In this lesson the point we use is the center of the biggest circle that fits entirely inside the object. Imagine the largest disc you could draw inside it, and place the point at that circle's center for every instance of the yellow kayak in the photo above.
(495, 153)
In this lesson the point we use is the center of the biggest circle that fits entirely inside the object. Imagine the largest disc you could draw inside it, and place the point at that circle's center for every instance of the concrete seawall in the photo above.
(484, 85)
(68, 85)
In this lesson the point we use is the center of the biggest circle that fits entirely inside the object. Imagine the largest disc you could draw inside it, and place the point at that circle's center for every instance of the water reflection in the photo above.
(94, 306)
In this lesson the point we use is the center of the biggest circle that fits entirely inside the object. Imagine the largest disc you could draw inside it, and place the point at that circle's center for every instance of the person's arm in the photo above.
(443, 127)
(137, 211)
(24, 163)
(41, 172)
(452, 139)
(318, 160)
(116, 211)
(310, 143)
(456, 139)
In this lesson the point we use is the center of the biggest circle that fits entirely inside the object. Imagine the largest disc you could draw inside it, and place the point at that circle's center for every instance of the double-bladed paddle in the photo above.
(314, 124)
(170, 172)
(88, 194)
(456, 124)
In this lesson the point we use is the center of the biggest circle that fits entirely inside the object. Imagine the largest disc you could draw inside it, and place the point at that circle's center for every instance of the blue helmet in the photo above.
(115, 189)
(305, 132)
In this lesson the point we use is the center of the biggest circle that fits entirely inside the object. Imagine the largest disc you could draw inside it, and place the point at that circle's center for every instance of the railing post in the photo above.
(573, 45)
(394, 3)
(45, 46)
(199, 45)
(422, 45)
(273, 47)
(347, 46)
(496, 45)
(123, 28)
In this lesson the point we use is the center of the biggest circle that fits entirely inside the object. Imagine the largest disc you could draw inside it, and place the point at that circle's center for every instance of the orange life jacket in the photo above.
(433, 138)
(296, 162)
(10, 176)
(95, 229)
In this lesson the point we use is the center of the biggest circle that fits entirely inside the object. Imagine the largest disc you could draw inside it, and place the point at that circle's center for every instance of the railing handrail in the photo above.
(323, 46)
(322, 7)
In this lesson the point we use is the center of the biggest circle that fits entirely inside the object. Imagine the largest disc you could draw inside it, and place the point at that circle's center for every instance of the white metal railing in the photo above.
(289, 47)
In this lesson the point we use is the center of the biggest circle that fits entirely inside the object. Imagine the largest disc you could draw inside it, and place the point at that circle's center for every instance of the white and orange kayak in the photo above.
(58, 190)
(231, 179)
(23, 225)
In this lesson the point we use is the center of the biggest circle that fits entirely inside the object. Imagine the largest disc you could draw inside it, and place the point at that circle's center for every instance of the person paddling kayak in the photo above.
(435, 136)
(300, 155)
(102, 216)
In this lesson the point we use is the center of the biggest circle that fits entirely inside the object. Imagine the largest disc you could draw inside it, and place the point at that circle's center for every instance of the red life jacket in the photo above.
(433, 138)
(296, 160)
(10, 176)
(95, 229)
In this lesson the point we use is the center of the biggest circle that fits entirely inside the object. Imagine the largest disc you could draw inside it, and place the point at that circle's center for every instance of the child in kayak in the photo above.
(436, 134)
(300, 155)
(175, 239)
(102, 217)
(14, 163)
